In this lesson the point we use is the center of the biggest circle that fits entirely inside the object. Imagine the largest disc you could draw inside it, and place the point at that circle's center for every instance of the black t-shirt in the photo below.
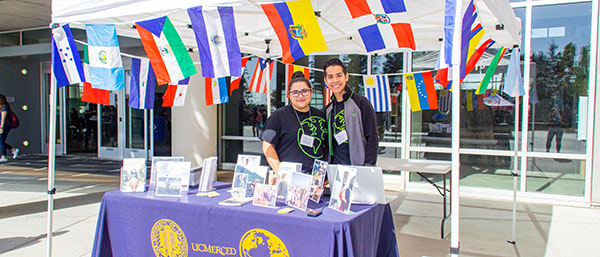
(282, 130)
(341, 151)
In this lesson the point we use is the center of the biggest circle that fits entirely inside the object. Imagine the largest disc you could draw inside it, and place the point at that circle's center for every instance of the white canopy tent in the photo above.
(425, 16)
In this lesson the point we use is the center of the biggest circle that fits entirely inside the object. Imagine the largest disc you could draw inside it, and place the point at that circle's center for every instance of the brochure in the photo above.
(236, 201)
(209, 171)
(160, 159)
(250, 160)
(256, 175)
(133, 175)
(283, 176)
(240, 183)
(298, 190)
(168, 186)
(318, 179)
(167, 174)
(341, 189)
(265, 195)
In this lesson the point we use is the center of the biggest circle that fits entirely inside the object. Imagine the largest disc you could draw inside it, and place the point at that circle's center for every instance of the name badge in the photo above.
(307, 140)
(341, 137)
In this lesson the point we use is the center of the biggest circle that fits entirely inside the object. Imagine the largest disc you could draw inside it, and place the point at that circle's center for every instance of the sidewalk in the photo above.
(81, 182)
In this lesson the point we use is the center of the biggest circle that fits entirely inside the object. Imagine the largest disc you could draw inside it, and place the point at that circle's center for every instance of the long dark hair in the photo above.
(297, 77)
(4, 102)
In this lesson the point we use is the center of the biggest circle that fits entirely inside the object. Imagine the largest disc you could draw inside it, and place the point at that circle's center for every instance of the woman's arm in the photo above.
(4, 113)
(272, 157)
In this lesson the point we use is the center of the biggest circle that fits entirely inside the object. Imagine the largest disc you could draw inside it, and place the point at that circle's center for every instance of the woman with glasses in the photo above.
(295, 132)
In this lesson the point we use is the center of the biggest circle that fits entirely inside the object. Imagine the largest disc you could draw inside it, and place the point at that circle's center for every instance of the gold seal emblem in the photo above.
(168, 239)
(260, 242)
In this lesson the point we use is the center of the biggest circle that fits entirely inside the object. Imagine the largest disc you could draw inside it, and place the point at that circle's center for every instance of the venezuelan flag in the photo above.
(296, 27)
(421, 91)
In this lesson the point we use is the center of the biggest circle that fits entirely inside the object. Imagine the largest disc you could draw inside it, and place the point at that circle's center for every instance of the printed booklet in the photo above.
(318, 179)
(265, 195)
(341, 189)
(209, 171)
(298, 190)
(133, 175)
(170, 175)
(250, 160)
(284, 175)
(160, 159)
(255, 175)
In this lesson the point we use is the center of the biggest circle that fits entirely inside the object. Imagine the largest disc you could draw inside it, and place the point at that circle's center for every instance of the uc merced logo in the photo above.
(297, 31)
(262, 243)
(102, 56)
(168, 239)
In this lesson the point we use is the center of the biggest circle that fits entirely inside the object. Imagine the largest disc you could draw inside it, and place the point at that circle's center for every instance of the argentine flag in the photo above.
(105, 57)
(65, 57)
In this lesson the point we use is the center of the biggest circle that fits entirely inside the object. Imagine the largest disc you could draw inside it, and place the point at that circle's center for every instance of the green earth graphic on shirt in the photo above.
(339, 122)
(316, 128)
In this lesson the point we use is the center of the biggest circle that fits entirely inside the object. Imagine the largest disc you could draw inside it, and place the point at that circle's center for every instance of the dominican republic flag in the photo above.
(235, 81)
(65, 57)
(106, 66)
(169, 57)
(142, 84)
(513, 82)
(90, 94)
(175, 94)
(382, 23)
(216, 37)
(377, 90)
(258, 83)
(216, 91)
(421, 91)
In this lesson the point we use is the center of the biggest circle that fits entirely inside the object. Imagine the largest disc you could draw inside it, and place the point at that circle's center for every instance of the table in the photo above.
(420, 167)
(140, 224)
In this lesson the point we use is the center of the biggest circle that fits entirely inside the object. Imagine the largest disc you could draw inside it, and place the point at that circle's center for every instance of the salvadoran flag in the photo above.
(258, 83)
(106, 66)
(216, 37)
(66, 62)
(377, 90)
(216, 91)
(169, 57)
(382, 23)
(513, 83)
(142, 84)
(235, 81)
(175, 94)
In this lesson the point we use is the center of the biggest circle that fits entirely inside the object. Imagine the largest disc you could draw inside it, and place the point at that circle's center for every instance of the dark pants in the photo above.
(3, 145)
(555, 130)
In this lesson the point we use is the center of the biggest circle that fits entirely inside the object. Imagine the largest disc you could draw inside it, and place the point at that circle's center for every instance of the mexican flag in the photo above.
(169, 57)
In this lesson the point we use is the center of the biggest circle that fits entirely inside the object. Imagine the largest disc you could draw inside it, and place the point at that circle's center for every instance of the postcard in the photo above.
(341, 189)
(161, 159)
(256, 175)
(250, 160)
(265, 195)
(168, 186)
(208, 176)
(240, 183)
(284, 175)
(133, 175)
(318, 179)
(175, 169)
(298, 190)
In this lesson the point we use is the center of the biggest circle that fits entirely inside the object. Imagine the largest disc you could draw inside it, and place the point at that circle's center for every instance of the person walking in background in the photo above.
(558, 120)
(4, 129)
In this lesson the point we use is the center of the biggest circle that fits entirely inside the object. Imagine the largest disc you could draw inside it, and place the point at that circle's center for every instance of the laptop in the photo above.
(368, 184)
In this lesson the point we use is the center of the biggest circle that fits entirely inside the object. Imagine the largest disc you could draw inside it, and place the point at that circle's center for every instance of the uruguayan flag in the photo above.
(65, 57)
(377, 90)
(105, 57)
(142, 84)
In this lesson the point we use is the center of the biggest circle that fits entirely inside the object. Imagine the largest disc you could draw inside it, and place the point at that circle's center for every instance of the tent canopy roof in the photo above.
(253, 27)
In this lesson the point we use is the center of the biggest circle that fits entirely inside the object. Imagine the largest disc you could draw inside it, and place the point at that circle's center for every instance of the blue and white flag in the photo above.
(513, 83)
(66, 62)
(142, 84)
(445, 57)
(104, 54)
(377, 90)
(215, 31)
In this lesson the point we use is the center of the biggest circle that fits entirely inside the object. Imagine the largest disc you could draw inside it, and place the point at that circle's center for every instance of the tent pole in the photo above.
(515, 172)
(51, 157)
(455, 176)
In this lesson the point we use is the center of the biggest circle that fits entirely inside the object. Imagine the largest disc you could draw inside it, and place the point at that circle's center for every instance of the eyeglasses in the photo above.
(296, 93)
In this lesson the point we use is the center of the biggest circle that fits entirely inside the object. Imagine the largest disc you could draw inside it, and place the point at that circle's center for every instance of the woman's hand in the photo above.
(1, 130)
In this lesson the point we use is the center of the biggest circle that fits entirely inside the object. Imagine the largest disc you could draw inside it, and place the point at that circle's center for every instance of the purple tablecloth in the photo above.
(136, 224)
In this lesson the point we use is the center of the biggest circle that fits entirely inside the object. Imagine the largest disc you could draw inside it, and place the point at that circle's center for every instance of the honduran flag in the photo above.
(258, 83)
(215, 31)
(377, 90)
(175, 94)
(169, 57)
(296, 27)
(216, 91)
(90, 94)
(421, 91)
(66, 62)
(235, 81)
(142, 84)
(106, 66)
(382, 23)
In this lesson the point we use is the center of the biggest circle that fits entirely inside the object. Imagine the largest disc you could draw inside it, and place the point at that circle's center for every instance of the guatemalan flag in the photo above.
(142, 84)
(216, 91)
(175, 94)
(377, 89)
(258, 83)
(169, 57)
(382, 23)
(106, 66)
(65, 57)
(220, 54)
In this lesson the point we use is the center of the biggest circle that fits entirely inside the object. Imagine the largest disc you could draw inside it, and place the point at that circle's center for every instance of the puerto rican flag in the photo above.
(327, 95)
(216, 91)
(175, 94)
(258, 83)
(382, 23)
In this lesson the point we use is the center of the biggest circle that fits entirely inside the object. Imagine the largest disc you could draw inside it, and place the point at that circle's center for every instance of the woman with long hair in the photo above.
(4, 129)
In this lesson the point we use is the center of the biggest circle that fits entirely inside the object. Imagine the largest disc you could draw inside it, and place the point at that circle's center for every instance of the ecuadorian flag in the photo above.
(421, 91)
(296, 27)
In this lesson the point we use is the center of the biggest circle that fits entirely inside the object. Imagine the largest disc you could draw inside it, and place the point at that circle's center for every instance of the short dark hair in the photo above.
(298, 76)
(334, 62)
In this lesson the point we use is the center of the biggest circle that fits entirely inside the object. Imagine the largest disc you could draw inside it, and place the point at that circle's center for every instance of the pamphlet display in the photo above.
(239, 185)
(284, 175)
(265, 195)
(133, 175)
(250, 160)
(160, 159)
(341, 189)
(298, 190)
(318, 179)
(256, 175)
(245, 180)
(172, 178)
(209, 171)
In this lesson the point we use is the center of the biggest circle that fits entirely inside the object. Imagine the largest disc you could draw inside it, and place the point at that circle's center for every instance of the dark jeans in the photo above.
(3, 145)
(555, 130)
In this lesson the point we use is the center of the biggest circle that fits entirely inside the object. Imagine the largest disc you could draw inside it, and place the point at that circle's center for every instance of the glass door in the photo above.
(46, 82)
(110, 127)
